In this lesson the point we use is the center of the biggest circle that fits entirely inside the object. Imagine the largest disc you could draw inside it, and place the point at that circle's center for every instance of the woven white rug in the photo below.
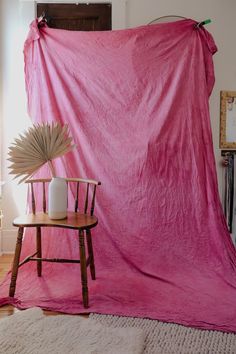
(30, 332)
(169, 338)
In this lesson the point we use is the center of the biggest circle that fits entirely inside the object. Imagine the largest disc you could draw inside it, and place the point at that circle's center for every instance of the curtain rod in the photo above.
(45, 18)
(197, 25)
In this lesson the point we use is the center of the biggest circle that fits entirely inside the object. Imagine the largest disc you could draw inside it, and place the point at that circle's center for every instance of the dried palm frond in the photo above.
(38, 145)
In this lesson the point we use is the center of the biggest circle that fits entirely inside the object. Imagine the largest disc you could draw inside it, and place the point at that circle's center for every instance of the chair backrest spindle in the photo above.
(86, 199)
(44, 198)
(33, 199)
(77, 197)
(93, 200)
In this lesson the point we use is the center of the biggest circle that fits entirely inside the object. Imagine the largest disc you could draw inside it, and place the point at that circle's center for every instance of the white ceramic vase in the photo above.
(57, 198)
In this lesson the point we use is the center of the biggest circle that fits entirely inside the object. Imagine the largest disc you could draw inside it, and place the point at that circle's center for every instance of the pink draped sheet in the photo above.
(136, 101)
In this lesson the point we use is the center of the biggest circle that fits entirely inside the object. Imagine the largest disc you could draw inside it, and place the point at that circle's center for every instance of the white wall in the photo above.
(14, 117)
(15, 16)
(1, 83)
(0, 118)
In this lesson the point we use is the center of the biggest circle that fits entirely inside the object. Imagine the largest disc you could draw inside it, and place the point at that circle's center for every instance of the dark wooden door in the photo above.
(77, 17)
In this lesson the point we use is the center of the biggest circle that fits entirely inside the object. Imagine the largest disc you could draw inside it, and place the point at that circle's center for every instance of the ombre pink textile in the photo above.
(136, 101)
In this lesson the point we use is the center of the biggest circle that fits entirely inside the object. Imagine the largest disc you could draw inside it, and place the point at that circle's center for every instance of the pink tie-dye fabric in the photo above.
(136, 101)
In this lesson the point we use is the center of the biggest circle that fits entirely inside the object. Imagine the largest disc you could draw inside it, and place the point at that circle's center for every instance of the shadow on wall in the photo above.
(13, 202)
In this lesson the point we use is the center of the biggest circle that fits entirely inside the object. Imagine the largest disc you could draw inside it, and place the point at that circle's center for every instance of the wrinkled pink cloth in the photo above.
(136, 101)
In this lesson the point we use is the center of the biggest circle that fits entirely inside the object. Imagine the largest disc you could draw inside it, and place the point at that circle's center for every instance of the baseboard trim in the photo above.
(8, 241)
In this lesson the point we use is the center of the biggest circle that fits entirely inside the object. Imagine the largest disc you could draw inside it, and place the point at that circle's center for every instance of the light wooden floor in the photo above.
(5, 265)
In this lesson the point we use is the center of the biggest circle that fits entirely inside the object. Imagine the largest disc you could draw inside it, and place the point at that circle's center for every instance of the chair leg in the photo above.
(83, 269)
(90, 252)
(39, 251)
(16, 261)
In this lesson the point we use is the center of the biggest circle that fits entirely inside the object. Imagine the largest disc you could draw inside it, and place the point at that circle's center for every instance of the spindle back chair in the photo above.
(82, 220)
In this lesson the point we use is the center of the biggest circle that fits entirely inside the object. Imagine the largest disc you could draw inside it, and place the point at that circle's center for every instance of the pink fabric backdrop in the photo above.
(136, 101)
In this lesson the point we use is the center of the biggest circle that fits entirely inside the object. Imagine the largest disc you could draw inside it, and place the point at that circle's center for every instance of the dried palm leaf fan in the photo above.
(40, 144)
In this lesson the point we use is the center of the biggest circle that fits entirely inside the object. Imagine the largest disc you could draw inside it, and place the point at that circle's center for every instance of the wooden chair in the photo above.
(82, 221)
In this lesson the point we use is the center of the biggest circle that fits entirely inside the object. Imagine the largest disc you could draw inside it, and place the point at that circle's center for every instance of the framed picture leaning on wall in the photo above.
(228, 119)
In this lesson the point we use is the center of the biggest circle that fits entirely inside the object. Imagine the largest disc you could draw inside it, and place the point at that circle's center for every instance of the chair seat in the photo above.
(73, 221)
